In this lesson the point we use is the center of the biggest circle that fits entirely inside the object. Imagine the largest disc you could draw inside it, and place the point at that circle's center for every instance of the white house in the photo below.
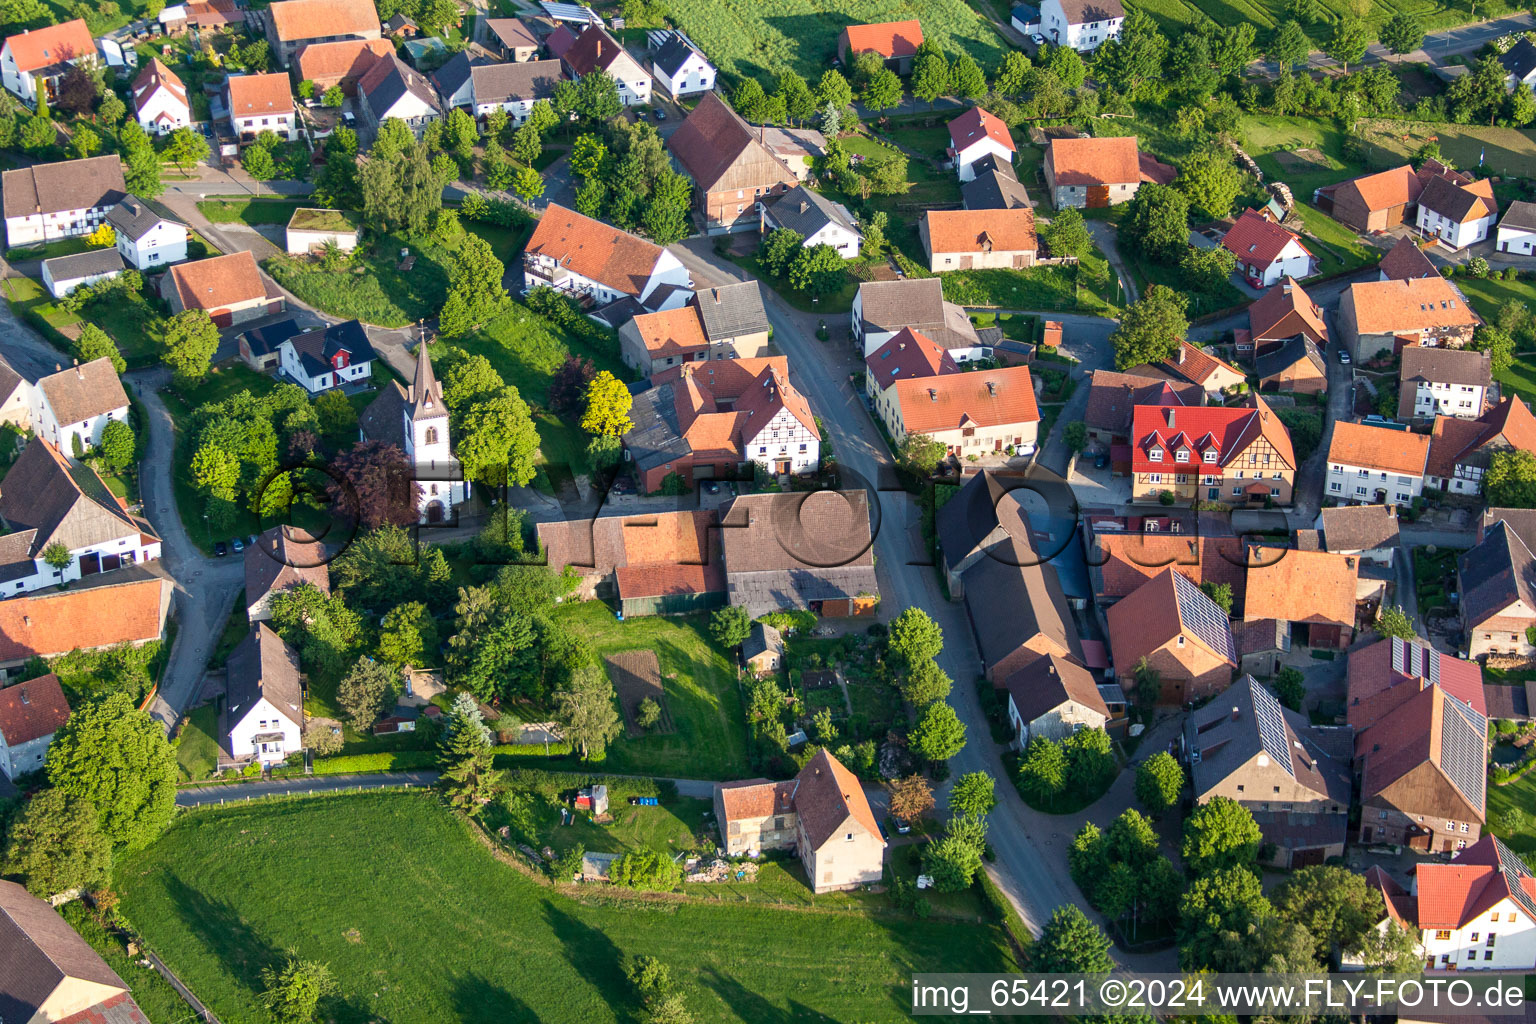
(1376, 465)
(48, 499)
(80, 400)
(576, 254)
(595, 50)
(1443, 382)
(30, 713)
(415, 420)
(160, 99)
(817, 219)
(1517, 231)
(1475, 913)
(1457, 215)
(514, 88)
(1054, 698)
(320, 360)
(1519, 64)
(1081, 24)
(976, 134)
(266, 701)
(47, 202)
(392, 88)
(146, 240)
(1266, 252)
(678, 66)
(63, 274)
(260, 103)
(40, 57)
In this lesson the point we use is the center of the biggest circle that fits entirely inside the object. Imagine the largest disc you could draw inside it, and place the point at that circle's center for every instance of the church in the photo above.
(415, 420)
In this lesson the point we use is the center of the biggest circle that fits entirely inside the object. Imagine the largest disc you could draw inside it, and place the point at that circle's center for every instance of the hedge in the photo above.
(552, 784)
(1004, 911)
(509, 752)
(396, 760)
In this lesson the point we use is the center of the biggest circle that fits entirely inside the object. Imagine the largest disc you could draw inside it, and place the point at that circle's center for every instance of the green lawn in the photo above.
(51, 250)
(1268, 136)
(153, 993)
(1520, 378)
(1089, 288)
(197, 753)
(1489, 293)
(762, 38)
(702, 696)
(1518, 794)
(32, 301)
(1340, 249)
(371, 288)
(1501, 151)
(1266, 14)
(419, 922)
(250, 212)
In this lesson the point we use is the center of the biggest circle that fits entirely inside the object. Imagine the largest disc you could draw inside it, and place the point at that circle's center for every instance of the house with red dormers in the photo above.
(320, 360)
(976, 134)
(1266, 252)
(1237, 455)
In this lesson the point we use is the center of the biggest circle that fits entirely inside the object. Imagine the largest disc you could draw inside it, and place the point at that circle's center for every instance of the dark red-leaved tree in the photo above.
(77, 91)
(375, 485)
(569, 387)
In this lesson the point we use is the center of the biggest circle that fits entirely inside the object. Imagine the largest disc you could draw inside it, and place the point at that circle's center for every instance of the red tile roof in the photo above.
(219, 281)
(1398, 307)
(316, 19)
(1379, 448)
(986, 398)
(32, 709)
(1227, 431)
(1386, 189)
(252, 95)
(597, 251)
(1481, 877)
(1301, 586)
(1257, 240)
(1375, 687)
(1454, 440)
(53, 44)
(888, 39)
(826, 795)
(152, 78)
(348, 58)
(1269, 310)
(976, 124)
(49, 623)
(909, 354)
(1108, 161)
(755, 798)
(1124, 561)
(672, 332)
(982, 231)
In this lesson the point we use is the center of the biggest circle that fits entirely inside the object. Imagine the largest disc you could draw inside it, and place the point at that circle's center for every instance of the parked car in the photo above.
(1037, 39)
(238, 545)
(348, 119)
(902, 825)
(220, 548)
(661, 115)
(1101, 461)
(1344, 356)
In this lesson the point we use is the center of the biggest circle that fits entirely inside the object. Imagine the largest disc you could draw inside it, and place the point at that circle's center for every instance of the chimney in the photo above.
(1182, 353)
(933, 396)
(26, 620)
(599, 48)
(716, 293)
(79, 373)
(992, 388)
(1170, 416)
(804, 206)
(1234, 714)
(24, 699)
(1285, 287)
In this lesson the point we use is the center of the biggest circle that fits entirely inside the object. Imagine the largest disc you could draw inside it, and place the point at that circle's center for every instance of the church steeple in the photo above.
(426, 397)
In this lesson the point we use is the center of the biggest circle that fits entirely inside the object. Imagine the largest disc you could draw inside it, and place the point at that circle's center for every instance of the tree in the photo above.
(186, 149)
(920, 454)
(1067, 234)
(1070, 944)
(647, 713)
(376, 485)
(925, 683)
(1076, 436)
(1211, 182)
(778, 250)
(1012, 74)
(85, 142)
(1136, 57)
(1480, 93)
(1349, 41)
(117, 757)
(911, 797)
(408, 635)
(57, 845)
(401, 193)
(589, 155)
(833, 90)
(366, 691)
(1402, 34)
(293, 992)
(953, 861)
(258, 163)
(730, 626)
(455, 321)
(1090, 761)
(585, 711)
(1289, 46)
(37, 134)
(460, 133)
(799, 101)
(1043, 769)
(190, 341)
(1220, 834)
(818, 270)
(647, 870)
(973, 794)
(1393, 621)
(1151, 328)
(1156, 222)
(1159, 780)
(333, 97)
(1290, 688)
(1220, 914)
(1511, 479)
(597, 97)
(117, 445)
(939, 734)
(141, 163)
(914, 637)
(1066, 64)
(57, 555)
(749, 100)
(1522, 110)
(477, 274)
(465, 755)
(569, 385)
(883, 91)
(1335, 905)
(966, 78)
(498, 440)
(930, 73)
(666, 215)
(608, 405)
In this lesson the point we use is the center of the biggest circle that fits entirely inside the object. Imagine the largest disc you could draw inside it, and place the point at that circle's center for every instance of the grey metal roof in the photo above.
(570, 12)
(784, 589)
(84, 264)
(806, 212)
(1520, 213)
(731, 311)
(393, 86)
(656, 436)
(264, 341)
(133, 218)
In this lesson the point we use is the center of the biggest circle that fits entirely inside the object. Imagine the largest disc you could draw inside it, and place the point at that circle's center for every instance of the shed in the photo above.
(63, 274)
(310, 229)
(763, 649)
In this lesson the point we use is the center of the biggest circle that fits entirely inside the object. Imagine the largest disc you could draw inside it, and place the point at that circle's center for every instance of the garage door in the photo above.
(1098, 196)
(224, 319)
(1307, 858)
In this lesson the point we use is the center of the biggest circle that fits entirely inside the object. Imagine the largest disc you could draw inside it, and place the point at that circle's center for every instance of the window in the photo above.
(1464, 826)
(1442, 934)
(1155, 455)
(431, 432)
(1210, 457)
(1474, 936)
(1154, 478)
(1491, 937)
(763, 450)
(1488, 954)
(1335, 486)
(1239, 788)
(1237, 490)
(1450, 826)
(848, 838)
(1511, 917)
(1213, 493)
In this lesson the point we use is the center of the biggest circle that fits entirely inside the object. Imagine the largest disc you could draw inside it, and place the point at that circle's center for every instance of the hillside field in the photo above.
(420, 922)
(1266, 14)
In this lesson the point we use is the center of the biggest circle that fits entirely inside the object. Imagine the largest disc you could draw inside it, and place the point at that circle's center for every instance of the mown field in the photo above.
(762, 37)
(1266, 14)
(419, 922)
(1497, 150)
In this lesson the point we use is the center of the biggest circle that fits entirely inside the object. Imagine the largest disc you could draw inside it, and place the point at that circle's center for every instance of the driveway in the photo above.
(1107, 237)
(205, 587)
(1031, 847)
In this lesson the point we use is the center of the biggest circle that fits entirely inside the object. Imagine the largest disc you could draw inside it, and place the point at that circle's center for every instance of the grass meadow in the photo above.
(702, 695)
(420, 922)
(1501, 151)
(752, 37)
(1266, 14)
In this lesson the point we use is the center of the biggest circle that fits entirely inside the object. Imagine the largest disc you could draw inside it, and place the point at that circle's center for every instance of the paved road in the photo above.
(205, 587)
(1438, 46)
(1031, 847)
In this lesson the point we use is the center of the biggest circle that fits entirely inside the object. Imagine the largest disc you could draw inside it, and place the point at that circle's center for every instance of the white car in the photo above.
(1037, 39)
(1344, 356)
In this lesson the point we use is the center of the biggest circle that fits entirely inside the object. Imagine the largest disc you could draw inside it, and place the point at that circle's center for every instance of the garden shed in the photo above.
(310, 229)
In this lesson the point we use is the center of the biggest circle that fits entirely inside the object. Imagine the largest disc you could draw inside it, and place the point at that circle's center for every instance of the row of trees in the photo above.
(627, 179)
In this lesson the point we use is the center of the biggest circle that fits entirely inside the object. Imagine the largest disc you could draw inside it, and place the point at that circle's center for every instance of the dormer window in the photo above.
(1156, 455)
(1183, 454)
(1210, 457)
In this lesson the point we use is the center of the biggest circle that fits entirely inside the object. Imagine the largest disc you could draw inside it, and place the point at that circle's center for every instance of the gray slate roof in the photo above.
(761, 640)
(1290, 352)
(1520, 59)
(1520, 213)
(1352, 528)
(133, 219)
(528, 80)
(655, 436)
(315, 348)
(673, 53)
(994, 190)
(731, 311)
(1495, 573)
(1446, 366)
(450, 78)
(53, 498)
(784, 551)
(1247, 720)
(400, 79)
(84, 264)
(806, 212)
(66, 185)
(1012, 595)
(262, 665)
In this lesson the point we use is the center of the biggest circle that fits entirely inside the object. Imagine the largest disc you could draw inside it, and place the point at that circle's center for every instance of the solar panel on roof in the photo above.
(1463, 749)
(571, 12)
(1204, 618)
(1271, 727)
